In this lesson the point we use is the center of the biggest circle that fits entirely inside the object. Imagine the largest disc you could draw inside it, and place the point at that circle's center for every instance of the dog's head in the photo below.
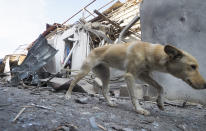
(184, 66)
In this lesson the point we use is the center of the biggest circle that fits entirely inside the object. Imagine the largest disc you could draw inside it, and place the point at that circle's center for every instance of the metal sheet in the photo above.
(40, 53)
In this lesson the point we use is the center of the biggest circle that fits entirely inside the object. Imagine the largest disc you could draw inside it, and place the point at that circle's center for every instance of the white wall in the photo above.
(81, 51)
(79, 54)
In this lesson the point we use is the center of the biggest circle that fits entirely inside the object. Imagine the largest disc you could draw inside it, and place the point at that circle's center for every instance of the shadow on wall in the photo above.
(182, 24)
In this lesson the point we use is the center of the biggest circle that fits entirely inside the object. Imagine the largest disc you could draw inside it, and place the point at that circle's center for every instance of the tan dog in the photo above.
(138, 59)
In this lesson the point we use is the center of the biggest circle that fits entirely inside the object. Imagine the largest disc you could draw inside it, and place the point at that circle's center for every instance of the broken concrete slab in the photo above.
(64, 83)
(57, 86)
(83, 100)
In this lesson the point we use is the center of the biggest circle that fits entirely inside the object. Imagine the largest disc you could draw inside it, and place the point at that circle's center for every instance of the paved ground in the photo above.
(47, 110)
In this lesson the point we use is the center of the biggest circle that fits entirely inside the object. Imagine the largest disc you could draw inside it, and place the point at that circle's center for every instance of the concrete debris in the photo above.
(93, 123)
(83, 100)
(66, 127)
(58, 111)
(199, 106)
(12, 61)
(83, 86)
(127, 129)
(40, 53)
(183, 127)
(155, 124)
(120, 128)
(74, 42)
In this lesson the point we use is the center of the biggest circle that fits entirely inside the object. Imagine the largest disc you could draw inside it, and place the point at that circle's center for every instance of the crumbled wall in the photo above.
(182, 24)
(126, 13)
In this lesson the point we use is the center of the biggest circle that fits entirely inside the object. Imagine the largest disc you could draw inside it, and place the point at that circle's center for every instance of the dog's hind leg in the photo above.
(160, 99)
(129, 78)
(85, 69)
(102, 72)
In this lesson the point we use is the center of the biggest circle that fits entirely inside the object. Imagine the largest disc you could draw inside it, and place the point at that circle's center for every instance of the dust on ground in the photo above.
(46, 110)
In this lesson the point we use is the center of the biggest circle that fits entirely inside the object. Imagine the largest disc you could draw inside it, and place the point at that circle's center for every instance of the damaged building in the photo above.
(37, 78)
(73, 42)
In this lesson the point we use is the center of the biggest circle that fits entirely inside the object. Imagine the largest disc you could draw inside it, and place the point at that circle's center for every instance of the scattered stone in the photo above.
(96, 108)
(150, 120)
(127, 129)
(122, 118)
(12, 94)
(112, 116)
(199, 106)
(65, 86)
(83, 86)
(85, 113)
(155, 124)
(83, 100)
(147, 121)
(65, 128)
(115, 92)
(182, 126)
(102, 99)
(117, 127)
(120, 128)
(93, 123)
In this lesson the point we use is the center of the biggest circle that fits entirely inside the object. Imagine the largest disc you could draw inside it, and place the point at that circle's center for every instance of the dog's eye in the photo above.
(193, 67)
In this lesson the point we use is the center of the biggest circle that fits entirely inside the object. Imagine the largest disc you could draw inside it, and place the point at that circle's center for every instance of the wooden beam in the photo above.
(107, 19)
(113, 23)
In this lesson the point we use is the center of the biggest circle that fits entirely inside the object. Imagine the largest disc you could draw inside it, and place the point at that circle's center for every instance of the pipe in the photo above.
(126, 28)
(78, 12)
(101, 8)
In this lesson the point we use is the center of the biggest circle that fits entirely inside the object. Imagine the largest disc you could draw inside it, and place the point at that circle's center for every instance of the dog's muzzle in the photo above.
(192, 85)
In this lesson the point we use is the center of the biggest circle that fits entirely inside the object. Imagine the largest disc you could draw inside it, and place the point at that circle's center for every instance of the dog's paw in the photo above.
(143, 112)
(160, 104)
(68, 95)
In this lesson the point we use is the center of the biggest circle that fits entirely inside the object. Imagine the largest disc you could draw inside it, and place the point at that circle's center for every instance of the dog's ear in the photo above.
(173, 52)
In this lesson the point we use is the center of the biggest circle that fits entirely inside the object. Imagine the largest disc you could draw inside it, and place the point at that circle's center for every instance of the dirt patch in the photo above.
(48, 110)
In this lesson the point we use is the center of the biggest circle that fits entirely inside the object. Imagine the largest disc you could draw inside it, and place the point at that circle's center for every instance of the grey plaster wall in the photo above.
(181, 23)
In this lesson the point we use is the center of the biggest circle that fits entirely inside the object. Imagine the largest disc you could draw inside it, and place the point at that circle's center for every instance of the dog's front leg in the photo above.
(83, 72)
(129, 78)
(160, 99)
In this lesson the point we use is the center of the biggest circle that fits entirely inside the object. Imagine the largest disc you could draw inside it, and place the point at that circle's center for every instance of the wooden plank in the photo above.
(107, 19)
